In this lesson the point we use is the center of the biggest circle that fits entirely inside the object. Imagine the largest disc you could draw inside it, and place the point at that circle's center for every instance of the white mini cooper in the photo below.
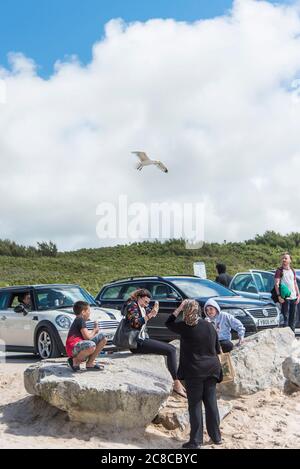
(43, 329)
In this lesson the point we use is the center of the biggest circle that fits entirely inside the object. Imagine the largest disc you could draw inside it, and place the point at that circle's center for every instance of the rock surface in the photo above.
(127, 394)
(291, 368)
(174, 413)
(258, 362)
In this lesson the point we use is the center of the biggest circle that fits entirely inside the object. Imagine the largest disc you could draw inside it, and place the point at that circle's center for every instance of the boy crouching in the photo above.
(84, 345)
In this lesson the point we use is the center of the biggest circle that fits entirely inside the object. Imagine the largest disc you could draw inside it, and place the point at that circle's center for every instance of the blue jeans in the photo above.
(288, 310)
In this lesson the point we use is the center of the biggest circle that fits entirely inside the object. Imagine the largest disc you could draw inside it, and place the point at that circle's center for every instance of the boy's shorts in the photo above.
(86, 344)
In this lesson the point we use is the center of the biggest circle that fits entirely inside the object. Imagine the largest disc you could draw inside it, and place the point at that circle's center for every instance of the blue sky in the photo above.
(48, 30)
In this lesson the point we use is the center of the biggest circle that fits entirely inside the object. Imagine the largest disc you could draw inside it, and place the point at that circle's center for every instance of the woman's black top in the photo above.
(199, 349)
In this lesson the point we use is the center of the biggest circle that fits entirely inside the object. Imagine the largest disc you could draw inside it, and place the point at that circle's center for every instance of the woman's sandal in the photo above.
(96, 367)
(71, 364)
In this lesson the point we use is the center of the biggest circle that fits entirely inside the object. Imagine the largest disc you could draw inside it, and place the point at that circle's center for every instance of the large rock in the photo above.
(127, 394)
(258, 362)
(291, 368)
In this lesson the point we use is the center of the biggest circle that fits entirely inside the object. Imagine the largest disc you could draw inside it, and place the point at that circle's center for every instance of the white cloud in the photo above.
(215, 100)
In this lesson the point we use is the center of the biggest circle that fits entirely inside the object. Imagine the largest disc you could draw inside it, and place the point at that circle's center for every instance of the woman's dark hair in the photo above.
(221, 268)
(80, 306)
(22, 296)
(140, 293)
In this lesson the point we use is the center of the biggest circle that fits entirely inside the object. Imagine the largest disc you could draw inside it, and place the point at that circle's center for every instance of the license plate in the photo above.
(109, 336)
(267, 322)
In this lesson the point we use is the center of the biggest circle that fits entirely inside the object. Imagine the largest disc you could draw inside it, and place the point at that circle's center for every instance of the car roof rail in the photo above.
(139, 277)
(149, 277)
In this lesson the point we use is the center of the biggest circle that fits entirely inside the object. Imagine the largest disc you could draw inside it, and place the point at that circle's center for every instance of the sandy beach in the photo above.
(269, 419)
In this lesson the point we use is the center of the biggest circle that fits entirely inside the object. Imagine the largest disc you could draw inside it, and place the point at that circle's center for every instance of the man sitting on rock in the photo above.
(224, 323)
(83, 345)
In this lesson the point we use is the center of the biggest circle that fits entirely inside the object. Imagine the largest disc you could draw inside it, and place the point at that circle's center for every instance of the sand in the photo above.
(269, 419)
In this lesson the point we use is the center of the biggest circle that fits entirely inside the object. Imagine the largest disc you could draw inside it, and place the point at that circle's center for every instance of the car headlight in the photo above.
(235, 312)
(63, 321)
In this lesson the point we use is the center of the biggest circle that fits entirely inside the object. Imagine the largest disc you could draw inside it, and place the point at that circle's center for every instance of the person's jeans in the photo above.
(197, 391)
(288, 310)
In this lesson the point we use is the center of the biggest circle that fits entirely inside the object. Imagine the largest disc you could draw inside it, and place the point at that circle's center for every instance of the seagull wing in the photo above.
(162, 167)
(141, 155)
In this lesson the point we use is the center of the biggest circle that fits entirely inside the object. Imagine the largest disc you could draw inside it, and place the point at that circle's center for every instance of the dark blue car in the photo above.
(170, 290)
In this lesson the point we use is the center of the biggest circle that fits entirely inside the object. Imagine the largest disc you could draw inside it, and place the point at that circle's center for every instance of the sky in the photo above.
(50, 30)
(210, 88)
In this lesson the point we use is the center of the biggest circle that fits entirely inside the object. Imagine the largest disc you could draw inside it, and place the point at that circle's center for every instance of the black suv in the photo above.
(256, 315)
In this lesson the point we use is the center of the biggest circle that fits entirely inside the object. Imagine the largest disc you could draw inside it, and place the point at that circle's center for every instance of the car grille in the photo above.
(103, 325)
(258, 313)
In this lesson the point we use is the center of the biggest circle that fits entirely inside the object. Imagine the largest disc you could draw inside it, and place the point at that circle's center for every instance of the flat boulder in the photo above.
(126, 395)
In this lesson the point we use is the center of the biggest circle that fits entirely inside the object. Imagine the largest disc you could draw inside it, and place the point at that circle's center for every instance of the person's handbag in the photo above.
(284, 291)
(125, 337)
(227, 367)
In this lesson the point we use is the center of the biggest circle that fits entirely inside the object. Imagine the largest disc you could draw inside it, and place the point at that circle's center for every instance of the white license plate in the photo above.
(267, 322)
(109, 336)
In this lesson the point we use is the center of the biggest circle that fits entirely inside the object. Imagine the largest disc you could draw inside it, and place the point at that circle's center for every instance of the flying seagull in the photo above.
(145, 161)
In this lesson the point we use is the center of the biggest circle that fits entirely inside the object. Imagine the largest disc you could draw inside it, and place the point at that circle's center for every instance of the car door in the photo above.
(169, 299)
(243, 283)
(4, 298)
(110, 297)
(19, 328)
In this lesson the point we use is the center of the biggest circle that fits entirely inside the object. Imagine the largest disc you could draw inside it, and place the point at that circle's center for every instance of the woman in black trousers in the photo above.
(138, 313)
(200, 369)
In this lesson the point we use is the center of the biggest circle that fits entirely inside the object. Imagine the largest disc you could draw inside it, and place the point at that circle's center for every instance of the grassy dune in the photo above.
(93, 267)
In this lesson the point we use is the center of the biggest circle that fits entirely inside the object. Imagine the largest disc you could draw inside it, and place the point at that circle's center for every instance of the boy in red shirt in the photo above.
(84, 345)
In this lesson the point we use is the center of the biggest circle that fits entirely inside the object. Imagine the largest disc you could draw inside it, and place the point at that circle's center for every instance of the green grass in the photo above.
(91, 268)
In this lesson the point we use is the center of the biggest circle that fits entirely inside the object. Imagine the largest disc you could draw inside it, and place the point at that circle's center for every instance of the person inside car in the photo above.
(137, 313)
(24, 305)
(84, 345)
(55, 299)
(224, 323)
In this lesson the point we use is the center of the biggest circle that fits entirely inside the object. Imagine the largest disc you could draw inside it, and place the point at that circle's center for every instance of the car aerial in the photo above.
(171, 290)
(259, 284)
(44, 329)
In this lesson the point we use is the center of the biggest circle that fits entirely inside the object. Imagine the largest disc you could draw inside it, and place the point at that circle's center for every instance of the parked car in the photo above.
(255, 283)
(44, 329)
(259, 284)
(171, 290)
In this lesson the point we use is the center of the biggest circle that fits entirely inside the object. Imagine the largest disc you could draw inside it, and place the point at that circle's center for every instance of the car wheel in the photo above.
(46, 344)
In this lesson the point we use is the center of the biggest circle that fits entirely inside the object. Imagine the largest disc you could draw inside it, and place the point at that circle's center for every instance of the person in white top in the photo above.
(286, 275)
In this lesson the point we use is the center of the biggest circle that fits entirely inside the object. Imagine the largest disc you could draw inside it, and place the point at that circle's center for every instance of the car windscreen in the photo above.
(195, 288)
(61, 297)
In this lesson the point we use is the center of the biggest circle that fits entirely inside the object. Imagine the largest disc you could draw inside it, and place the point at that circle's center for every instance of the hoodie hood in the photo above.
(213, 303)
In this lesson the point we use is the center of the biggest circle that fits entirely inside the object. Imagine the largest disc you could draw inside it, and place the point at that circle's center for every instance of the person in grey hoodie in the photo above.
(224, 324)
